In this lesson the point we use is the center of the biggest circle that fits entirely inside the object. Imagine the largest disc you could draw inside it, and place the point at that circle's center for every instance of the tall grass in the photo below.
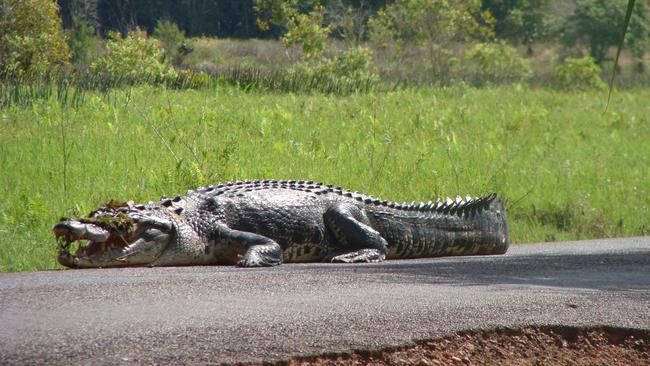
(292, 81)
(71, 89)
(568, 170)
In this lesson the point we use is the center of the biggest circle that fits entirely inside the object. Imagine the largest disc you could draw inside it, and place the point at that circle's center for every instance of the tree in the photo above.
(83, 40)
(433, 23)
(420, 21)
(598, 23)
(348, 22)
(346, 18)
(31, 39)
(306, 31)
(521, 21)
(171, 39)
(303, 22)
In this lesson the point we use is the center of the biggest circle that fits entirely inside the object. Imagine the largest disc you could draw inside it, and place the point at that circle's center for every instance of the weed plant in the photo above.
(568, 170)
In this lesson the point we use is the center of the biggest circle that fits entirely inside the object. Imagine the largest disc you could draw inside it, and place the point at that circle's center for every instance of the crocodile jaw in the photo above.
(95, 250)
(110, 247)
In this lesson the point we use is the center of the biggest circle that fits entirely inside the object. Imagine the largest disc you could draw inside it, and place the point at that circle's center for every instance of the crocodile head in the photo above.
(116, 234)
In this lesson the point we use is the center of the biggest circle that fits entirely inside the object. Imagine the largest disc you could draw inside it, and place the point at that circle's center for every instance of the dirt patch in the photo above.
(527, 346)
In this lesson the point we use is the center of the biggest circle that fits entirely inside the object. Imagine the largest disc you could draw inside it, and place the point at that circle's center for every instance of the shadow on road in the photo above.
(604, 271)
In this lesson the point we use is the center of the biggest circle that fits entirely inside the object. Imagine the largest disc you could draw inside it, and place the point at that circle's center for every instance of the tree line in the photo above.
(212, 18)
(593, 23)
(470, 40)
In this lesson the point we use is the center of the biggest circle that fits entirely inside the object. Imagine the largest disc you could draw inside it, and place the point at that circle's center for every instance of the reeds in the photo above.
(71, 88)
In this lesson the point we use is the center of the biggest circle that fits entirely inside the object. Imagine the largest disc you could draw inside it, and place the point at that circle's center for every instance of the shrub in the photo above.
(579, 73)
(134, 59)
(83, 41)
(32, 43)
(350, 68)
(171, 39)
(496, 63)
(353, 64)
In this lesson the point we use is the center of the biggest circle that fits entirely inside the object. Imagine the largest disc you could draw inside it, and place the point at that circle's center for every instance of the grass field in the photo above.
(568, 169)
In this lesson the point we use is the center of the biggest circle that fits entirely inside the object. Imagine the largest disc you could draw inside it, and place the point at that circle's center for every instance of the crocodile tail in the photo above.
(498, 213)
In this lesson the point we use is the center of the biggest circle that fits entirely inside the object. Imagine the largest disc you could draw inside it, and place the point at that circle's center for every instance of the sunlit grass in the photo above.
(568, 170)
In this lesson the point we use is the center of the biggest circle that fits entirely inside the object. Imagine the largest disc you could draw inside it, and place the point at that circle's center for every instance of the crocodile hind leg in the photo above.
(259, 251)
(358, 242)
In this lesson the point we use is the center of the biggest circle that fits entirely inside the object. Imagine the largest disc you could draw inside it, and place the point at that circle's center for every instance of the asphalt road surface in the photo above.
(224, 314)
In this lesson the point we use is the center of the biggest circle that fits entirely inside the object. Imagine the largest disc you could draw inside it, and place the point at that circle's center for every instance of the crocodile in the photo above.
(268, 222)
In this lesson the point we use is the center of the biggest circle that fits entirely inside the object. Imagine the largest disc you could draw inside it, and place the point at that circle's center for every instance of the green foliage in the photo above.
(353, 64)
(84, 42)
(305, 30)
(579, 73)
(436, 21)
(432, 23)
(303, 22)
(171, 39)
(270, 12)
(277, 12)
(519, 20)
(351, 67)
(134, 59)
(404, 145)
(496, 63)
(32, 43)
(341, 72)
(349, 23)
(598, 24)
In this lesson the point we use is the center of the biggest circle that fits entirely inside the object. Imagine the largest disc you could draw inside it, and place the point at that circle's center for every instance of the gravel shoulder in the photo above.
(520, 347)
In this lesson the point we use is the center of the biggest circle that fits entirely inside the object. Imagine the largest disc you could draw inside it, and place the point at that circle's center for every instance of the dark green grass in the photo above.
(569, 170)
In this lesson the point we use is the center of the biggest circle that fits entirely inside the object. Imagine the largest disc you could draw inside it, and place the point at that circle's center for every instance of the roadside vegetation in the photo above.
(489, 98)
(569, 170)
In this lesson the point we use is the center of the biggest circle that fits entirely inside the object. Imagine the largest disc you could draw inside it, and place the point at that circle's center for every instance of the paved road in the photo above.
(215, 314)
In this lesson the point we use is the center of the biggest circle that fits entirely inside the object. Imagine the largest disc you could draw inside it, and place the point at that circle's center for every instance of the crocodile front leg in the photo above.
(259, 251)
(357, 240)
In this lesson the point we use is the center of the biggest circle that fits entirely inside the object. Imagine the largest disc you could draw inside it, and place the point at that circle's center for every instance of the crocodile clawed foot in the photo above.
(260, 258)
(258, 262)
(360, 256)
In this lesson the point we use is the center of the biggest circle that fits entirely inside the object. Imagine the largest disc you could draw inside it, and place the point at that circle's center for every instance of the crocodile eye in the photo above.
(151, 234)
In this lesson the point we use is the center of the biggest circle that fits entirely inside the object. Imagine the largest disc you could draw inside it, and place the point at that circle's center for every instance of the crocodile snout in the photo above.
(75, 230)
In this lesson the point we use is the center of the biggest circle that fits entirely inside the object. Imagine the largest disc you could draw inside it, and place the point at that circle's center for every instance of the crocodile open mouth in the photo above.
(94, 242)
(113, 236)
